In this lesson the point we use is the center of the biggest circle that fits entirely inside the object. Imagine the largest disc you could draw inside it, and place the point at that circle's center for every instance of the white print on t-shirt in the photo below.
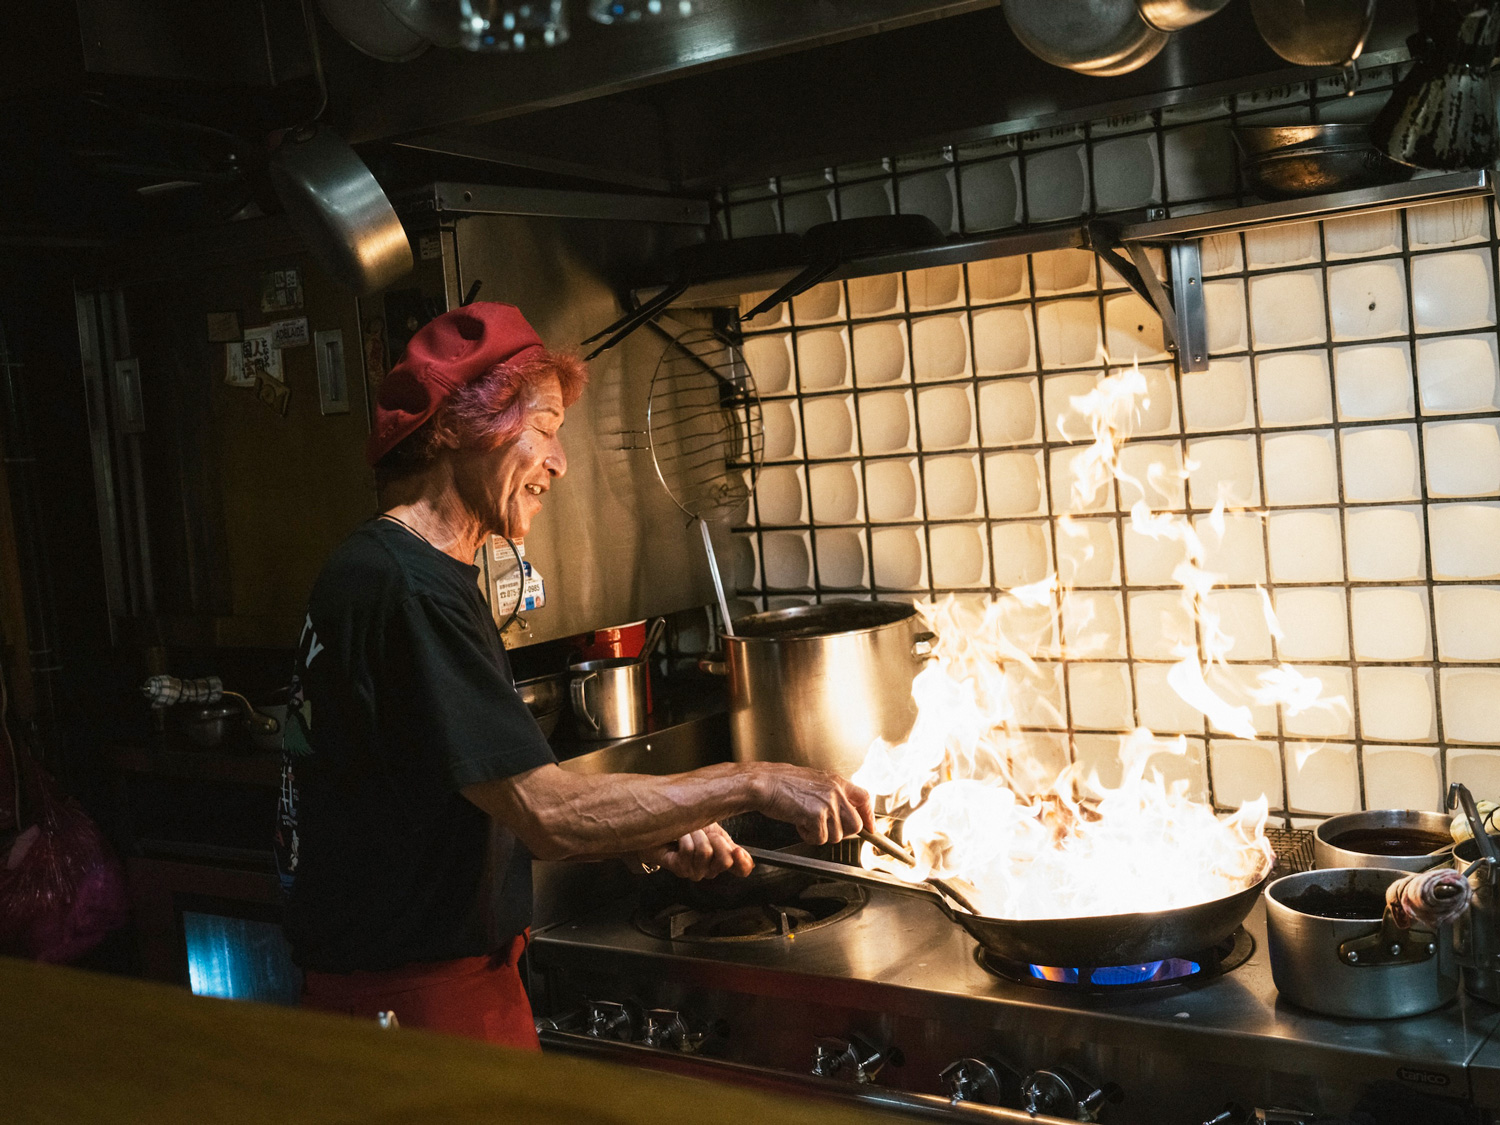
(314, 646)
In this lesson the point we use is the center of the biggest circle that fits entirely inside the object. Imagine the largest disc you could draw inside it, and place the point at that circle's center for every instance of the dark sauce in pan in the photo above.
(1343, 903)
(1390, 841)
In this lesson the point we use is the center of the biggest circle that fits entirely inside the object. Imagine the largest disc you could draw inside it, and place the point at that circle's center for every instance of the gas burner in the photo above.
(1228, 955)
(815, 906)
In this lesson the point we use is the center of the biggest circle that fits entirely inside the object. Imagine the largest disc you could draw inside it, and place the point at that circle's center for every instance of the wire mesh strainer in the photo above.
(704, 425)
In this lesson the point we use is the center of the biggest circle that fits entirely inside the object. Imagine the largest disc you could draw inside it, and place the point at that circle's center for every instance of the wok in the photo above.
(1092, 942)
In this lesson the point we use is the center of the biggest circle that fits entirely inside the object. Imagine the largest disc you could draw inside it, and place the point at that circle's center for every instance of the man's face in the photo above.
(504, 486)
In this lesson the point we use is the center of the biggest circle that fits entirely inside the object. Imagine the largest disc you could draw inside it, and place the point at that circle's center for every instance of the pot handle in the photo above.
(712, 667)
(1389, 945)
(922, 646)
(580, 699)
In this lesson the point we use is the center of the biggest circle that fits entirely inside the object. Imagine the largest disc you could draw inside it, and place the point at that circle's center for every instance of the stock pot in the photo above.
(816, 685)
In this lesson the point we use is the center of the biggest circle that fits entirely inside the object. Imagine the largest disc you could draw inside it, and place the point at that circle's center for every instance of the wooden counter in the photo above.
(81, 1047)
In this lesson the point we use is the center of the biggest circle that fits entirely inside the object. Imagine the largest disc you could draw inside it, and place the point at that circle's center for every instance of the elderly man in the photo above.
(417, 787)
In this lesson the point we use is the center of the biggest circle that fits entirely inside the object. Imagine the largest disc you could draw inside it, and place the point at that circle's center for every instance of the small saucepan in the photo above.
(1335, 949)
(1405, 839)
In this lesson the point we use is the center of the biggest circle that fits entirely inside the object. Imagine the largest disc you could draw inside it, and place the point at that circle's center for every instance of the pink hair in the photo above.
(486, 413)
(492, 409)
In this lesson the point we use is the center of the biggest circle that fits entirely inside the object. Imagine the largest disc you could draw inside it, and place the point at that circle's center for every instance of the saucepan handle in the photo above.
(580, 699)
(847, 874)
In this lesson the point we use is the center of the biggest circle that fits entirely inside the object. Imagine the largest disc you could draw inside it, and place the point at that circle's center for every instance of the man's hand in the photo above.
(702, 854)
(824, 807)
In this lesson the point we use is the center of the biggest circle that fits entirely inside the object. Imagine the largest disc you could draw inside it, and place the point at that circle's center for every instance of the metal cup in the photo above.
(609, 696)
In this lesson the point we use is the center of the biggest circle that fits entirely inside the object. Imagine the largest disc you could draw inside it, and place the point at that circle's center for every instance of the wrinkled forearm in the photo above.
(561, 815)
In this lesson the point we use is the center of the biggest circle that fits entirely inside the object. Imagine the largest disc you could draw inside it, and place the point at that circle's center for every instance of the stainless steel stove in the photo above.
(889, 1004)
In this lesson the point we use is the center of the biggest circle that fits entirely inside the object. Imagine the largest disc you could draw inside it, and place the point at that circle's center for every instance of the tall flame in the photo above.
(982, 808)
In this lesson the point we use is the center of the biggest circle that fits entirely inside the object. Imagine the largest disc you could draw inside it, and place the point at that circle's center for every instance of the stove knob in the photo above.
(856, 1058)
(609, 1020)
(986, 1081)
(665, 1029)
(1062, 1093)
(829, 1057)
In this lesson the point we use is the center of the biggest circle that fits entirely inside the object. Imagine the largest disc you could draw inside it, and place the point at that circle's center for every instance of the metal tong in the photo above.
(886, 846)
(1458, 794)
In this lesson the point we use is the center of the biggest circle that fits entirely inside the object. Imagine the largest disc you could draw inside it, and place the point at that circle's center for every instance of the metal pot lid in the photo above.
(809, 622)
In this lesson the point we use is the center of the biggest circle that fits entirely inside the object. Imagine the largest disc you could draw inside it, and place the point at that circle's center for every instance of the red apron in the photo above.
(476, 997)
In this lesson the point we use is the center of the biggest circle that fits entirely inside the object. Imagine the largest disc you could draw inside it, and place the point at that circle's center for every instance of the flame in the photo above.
(981, 807)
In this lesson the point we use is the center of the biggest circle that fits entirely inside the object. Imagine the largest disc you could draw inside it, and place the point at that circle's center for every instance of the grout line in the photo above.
(1342, 517)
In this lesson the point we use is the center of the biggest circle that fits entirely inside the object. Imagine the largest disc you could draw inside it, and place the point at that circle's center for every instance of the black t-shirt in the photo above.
(403, 697)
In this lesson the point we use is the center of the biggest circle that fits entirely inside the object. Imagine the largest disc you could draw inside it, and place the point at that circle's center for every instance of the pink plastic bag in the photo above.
(61, 891)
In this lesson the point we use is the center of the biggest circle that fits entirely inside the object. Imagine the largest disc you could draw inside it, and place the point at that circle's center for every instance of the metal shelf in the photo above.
(1433, 188)
(1031, 240)
(1130, 227)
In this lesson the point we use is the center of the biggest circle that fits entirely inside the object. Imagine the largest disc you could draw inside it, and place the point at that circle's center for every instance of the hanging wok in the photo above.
(1091, 942)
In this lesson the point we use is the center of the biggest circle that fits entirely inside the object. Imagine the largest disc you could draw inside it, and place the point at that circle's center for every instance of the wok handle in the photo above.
(844, 873)
(883, 843)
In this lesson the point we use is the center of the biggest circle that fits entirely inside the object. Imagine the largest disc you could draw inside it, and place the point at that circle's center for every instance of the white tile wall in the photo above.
(920, 436)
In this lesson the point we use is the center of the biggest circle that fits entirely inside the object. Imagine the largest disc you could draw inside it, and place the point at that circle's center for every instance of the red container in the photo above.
(620, 641)
(623, 640)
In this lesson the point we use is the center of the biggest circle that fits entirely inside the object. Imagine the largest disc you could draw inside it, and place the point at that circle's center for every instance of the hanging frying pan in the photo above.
(375, 28)
(334, 203)
(1174, 15)
(1099, 37)
(1314, 32)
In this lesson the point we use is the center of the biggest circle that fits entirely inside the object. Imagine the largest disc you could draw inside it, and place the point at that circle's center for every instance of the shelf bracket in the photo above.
(1185, 262)
(1183, 325)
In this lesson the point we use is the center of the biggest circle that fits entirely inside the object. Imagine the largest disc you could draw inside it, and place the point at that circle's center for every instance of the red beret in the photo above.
(447, 353)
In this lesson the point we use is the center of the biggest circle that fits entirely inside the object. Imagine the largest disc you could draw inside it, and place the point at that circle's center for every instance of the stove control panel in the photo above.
(1064, 1093)
(855, 1059)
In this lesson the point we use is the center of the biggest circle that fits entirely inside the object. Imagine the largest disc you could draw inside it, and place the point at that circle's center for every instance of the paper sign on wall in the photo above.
(289, 333)
(262, 359)
(280, 289)
(234, 366)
